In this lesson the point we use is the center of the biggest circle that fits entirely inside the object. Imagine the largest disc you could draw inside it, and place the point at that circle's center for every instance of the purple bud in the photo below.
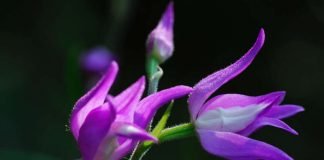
(160, 40)
(96, 60)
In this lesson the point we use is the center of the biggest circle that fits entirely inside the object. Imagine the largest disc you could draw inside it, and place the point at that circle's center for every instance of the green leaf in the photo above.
(163, 121)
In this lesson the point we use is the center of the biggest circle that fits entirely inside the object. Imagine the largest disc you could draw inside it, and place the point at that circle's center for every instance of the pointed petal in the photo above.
(126, 101)
(94, 98)
(167, 18)
(283, 111)
(124, 149)
(149, 105)
(132, 131)
(94, 130)
(264, 121)
(210, 84)
(233, 146)
(234, 100)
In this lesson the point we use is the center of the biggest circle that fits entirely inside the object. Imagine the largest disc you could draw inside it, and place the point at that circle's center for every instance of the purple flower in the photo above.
(96, 60)
(160, 40)
(108, 127)
(224, 122)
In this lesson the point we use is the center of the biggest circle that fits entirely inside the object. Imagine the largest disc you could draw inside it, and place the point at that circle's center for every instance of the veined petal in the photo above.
(264, 121)
(149, 105)
(283, 111)
(130, 96)
(132, 131)
(232, 119)
(210, 84)
(95, 129)
(93, 99)
(232, 100)
(233, 146)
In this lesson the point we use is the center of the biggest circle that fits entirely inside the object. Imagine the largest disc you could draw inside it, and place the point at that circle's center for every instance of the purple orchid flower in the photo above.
(108, 127)
(160, 40)
(224, 122)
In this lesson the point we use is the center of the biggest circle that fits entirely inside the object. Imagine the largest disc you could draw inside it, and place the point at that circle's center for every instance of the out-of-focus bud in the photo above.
(160, 40)
(96, 60)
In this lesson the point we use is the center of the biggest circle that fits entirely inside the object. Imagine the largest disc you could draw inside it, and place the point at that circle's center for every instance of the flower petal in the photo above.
(132, 131)
(94, 130)
(128, 136)
(210, 84)
(283, 111)
(234, 100)
(124, 149)
(149, 105)
(126, 101)
(233, 146)
(130, 96)
(264, 121)
(94, 98)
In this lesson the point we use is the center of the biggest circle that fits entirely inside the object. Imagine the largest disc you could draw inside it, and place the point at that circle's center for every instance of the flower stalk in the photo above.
(154, 73)
(173, 133)
(177, 132)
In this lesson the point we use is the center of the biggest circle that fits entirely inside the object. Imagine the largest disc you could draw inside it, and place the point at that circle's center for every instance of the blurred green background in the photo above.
(41, 41)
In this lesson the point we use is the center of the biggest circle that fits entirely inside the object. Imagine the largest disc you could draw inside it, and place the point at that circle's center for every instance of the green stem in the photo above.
(151, 66)
(154, 73)
(177, 132)
(174, 133)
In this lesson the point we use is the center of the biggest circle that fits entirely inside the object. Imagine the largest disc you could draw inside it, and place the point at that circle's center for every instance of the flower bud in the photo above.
(96, 60)
(160, 40)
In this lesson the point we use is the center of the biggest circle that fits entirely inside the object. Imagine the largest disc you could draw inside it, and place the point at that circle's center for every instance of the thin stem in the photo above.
(154, 74)
(151, 66)
(154, 81)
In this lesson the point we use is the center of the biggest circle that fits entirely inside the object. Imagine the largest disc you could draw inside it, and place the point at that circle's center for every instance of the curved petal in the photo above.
(234, 100)
(149, 105)
(124, 149)
(94, 98)
(283, 111)
(233, 146)
(130, 96)
(210, 84)
(132, 131)
(94, 130)
(123, 139)
(264, 121)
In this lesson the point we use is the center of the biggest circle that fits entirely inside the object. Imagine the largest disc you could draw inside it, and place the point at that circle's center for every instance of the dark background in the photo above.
(40, 43)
